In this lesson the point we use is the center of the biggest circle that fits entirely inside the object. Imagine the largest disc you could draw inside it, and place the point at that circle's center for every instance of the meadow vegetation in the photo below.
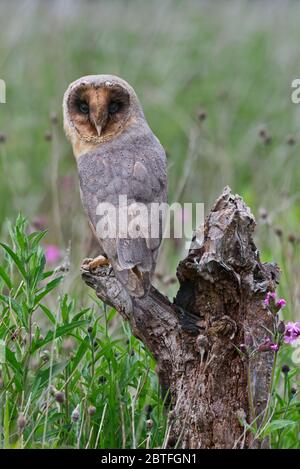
(214, 79)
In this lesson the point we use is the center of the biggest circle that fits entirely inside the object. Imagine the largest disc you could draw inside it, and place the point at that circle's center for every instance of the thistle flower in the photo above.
(75, 414)
(91, 410)
(149, 424)
(59, 397)
(21, 423)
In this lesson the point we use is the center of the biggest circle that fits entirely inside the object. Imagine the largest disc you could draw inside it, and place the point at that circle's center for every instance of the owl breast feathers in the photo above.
(132, 164)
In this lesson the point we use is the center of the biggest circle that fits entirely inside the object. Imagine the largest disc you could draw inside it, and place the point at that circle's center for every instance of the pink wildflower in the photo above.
(281, 303)
(268, 345)
(52, 253)
(270, 298)
(292, 332)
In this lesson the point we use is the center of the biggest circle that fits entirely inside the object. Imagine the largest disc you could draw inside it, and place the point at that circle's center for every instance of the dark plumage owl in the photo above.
(117, 155)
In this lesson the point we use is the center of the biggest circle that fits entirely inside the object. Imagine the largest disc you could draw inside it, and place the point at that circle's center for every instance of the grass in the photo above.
(65, 381)
(233, 61)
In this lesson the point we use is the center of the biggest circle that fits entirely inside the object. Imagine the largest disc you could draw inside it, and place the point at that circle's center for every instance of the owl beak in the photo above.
(99, 129)
(98, 125)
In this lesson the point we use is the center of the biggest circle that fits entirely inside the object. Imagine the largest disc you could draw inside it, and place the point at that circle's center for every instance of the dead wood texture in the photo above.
(219, 305)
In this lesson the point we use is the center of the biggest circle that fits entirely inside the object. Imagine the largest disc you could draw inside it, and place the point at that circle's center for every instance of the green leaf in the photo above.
(15, 258)
(36, 237)
(48, 288)
(16, 366)
(42, 377)
(14, 305)
(21, 239)
(6, 423)
(60, 331)
(80, 353)
(278, 425)
(81, 313)
(48, 313)
(5, 277)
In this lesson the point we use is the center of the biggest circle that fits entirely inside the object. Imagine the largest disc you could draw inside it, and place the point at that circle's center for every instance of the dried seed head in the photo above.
(54, 118)
(268, 140)
(265, 136)
(262, 133)
(48, 136)
(21, 422)
(148, 409)
(45, 355)
(263, 213)
(169, 280)
(278, 232)
(59, 397)
(75, 414)
(158, 275)
(92, 410)
(2, 138)
(292, 238)
(149, 424)
(201, 114)
(291, 140)
(285, 369)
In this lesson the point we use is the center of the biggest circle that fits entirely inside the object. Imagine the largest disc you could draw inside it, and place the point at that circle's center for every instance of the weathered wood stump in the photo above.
(195, 339)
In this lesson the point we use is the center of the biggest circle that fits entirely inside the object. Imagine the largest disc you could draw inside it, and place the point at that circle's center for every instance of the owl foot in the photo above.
(92, 264)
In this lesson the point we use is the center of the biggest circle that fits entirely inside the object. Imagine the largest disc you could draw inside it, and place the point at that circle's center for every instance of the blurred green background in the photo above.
(214, 79)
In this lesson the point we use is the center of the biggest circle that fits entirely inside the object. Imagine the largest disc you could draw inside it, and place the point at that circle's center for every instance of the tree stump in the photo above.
(196, 339)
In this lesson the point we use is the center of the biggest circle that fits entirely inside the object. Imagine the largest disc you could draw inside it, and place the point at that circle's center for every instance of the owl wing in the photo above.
(134, 167)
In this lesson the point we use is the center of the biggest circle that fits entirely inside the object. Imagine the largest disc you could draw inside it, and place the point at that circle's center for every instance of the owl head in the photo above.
(97, 108)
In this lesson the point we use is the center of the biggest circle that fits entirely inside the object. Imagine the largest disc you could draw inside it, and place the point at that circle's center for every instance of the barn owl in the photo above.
(117, 155)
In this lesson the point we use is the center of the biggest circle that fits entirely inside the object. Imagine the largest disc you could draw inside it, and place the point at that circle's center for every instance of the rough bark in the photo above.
(219, 305)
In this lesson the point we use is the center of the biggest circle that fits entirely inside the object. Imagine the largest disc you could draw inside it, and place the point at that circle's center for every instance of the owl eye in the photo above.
(84, 107)
(113, 107)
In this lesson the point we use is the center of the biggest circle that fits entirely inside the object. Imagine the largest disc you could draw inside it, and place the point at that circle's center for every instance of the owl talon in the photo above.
(92, 264)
